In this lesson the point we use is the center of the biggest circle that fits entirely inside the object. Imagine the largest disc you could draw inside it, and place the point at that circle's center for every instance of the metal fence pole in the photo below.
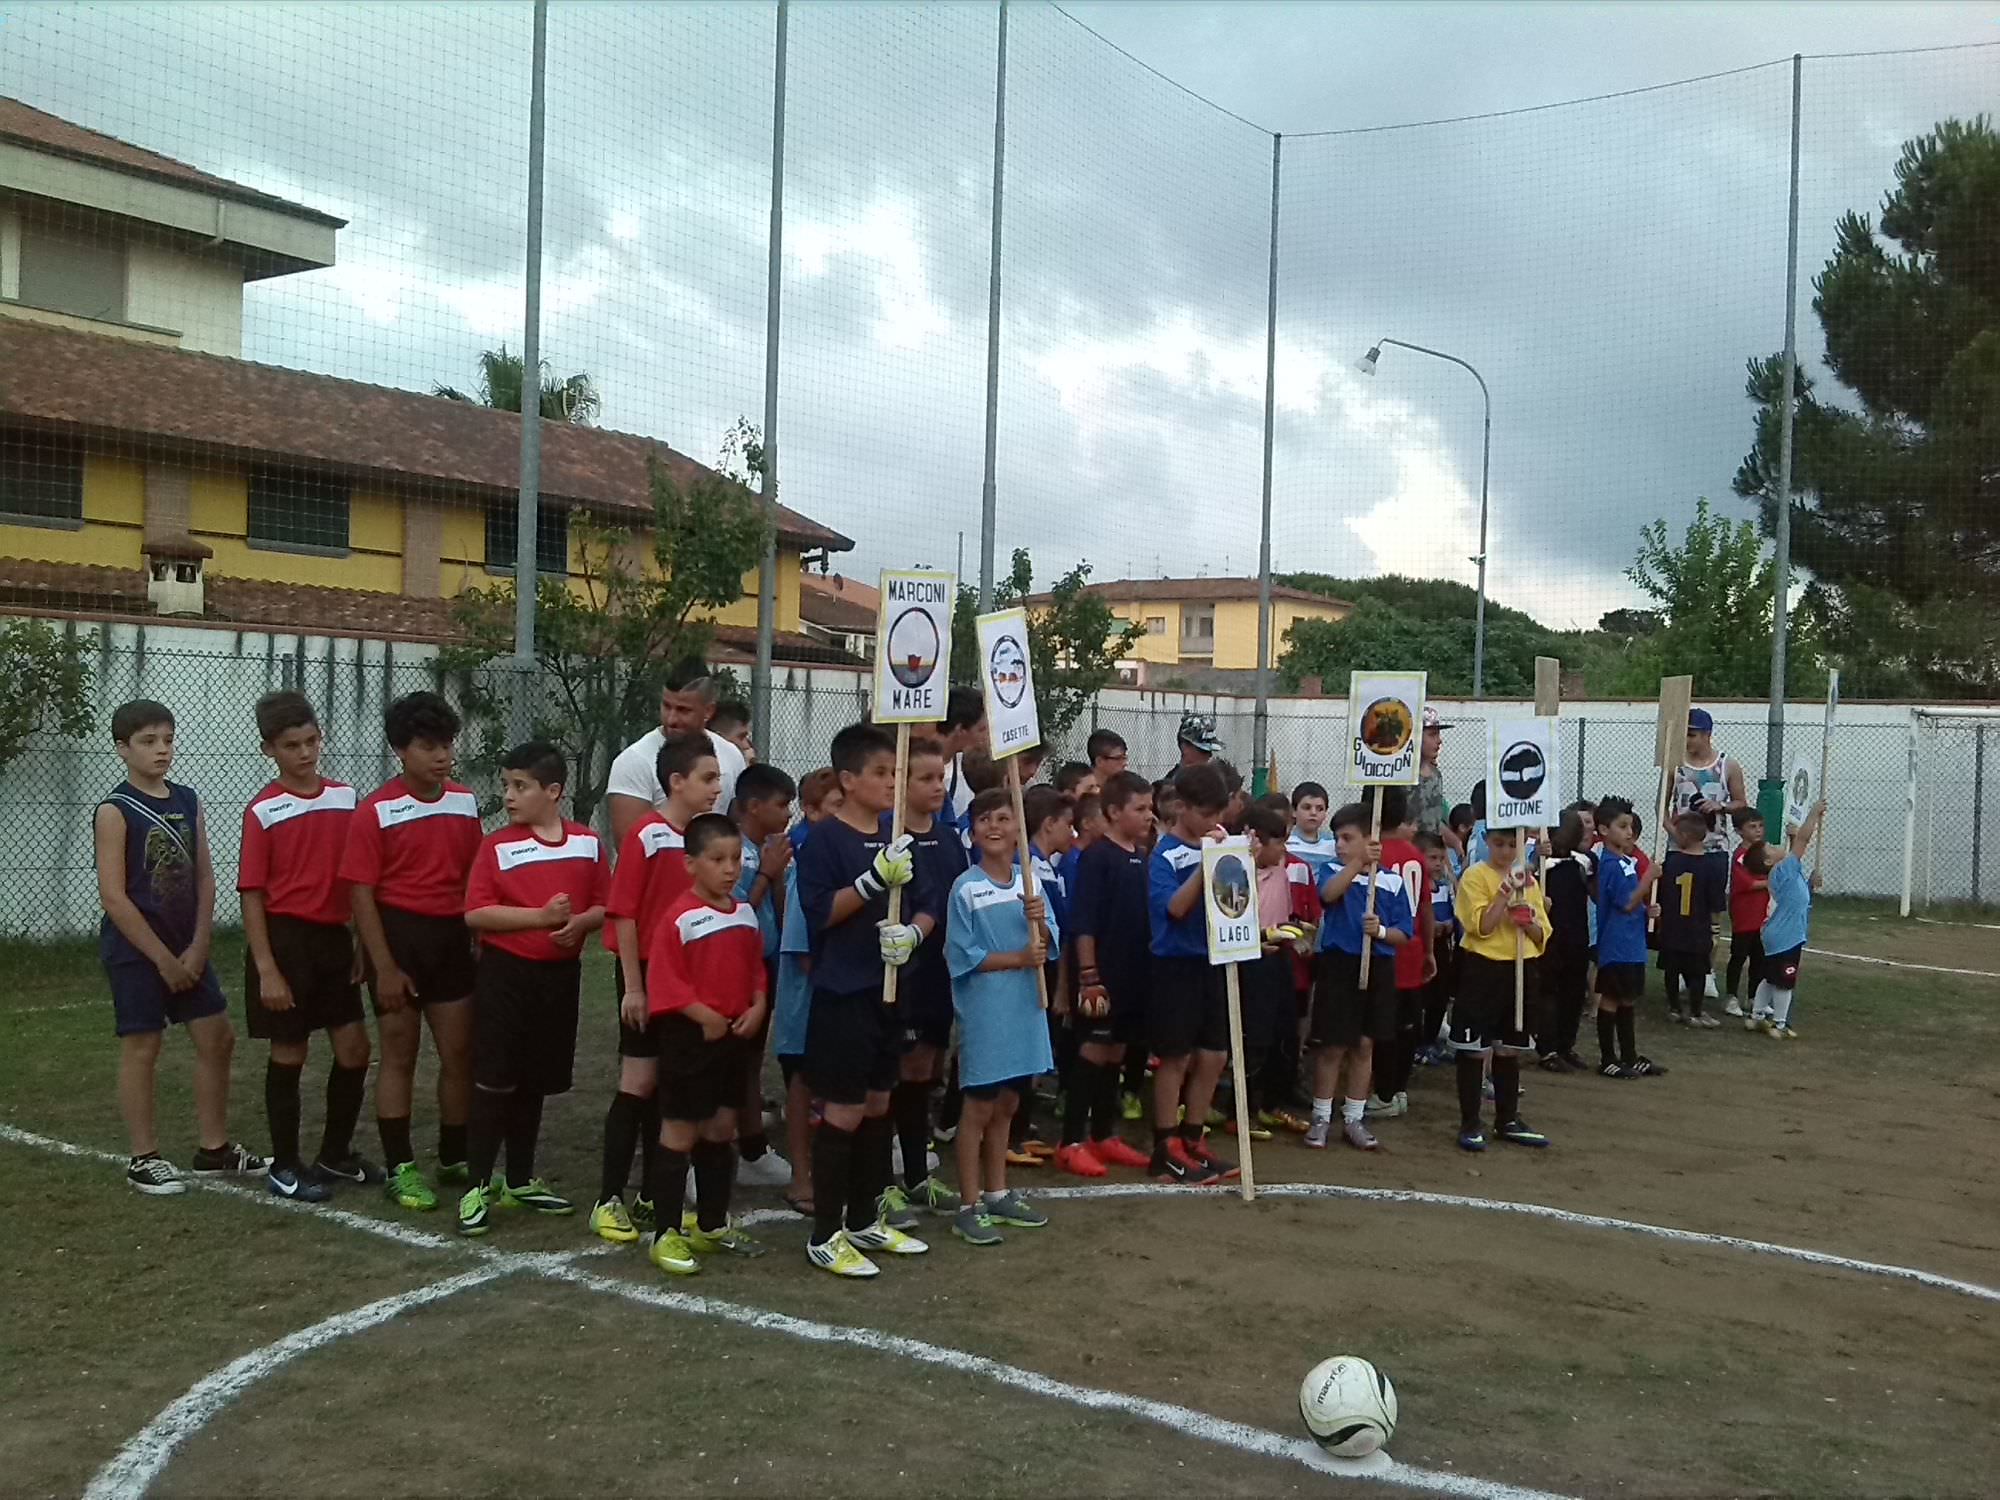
(527, 515)
(1781, 589)
(1909, 816)
(1581, 725)
(989, 504)
(767, 567)
(1978, 805)
(1260, 734)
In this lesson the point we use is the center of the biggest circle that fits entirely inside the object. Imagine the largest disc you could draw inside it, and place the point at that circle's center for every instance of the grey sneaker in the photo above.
(1317, 1134)
(1378, 1108)
(1359, 1136)
(896, 1211)
(1012, 1208)
(972, 1226)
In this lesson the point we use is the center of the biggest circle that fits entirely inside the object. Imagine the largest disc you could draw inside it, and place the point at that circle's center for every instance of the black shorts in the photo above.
(697, 1077)
(524, 1022)
(1015, 1086)
(1781, 970)
(1188, 1010)
(436, 954)
(1266, 991)
(633, 1041)
(1693, 970)
(1621, 982)
(1482, 1015)
(1342, 1015)
(854, 1046)
(317, 960)
(1124, 1025)
(923, 1000)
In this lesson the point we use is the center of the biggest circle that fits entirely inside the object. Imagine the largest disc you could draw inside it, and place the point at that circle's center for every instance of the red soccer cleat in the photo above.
(1113, 1152)
(1078, 1161)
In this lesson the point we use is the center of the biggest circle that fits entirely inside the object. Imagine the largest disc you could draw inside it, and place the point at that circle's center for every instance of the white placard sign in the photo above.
(1012, 722)
(1801, 791)
(913, 647)
(1385, 714)
(1523, 783)
(1229, 897)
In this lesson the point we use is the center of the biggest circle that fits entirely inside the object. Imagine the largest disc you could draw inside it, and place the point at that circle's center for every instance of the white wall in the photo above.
(200, 295)
(10, 253)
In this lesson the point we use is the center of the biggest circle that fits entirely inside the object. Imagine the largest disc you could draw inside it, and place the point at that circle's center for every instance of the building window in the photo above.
(1198, 627)
(70, 274)
(551, 539)
(41, 478)
(297, 510)
(1156, 624)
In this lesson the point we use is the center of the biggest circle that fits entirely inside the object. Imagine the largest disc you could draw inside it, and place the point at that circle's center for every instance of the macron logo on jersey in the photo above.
(978, 898)
(532, 851)
(1184, 857)
(706, 921)
(288, 805)
(657, 837)
(398, 810)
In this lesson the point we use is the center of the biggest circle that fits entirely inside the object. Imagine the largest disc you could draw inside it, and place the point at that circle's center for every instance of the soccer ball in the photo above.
(1349, 1406)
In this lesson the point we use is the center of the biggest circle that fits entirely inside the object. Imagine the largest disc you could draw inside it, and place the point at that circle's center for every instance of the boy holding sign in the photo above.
(1506, 923)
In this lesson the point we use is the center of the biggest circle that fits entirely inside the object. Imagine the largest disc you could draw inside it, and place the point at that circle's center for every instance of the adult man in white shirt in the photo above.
(687, 702)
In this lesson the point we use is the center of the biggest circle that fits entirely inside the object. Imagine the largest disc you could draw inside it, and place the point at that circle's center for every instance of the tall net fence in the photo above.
(262, 310)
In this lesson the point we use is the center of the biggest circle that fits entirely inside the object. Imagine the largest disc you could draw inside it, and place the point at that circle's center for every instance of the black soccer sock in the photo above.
(714, 1174)
(1104, 1102)
(1135, 1071)
(1406, 1058)
(524, 1129)
(1697, 993)
(1628, 1036)
(396, 1147)
(1607, 1037)
(485, 1132)
(650, 1148)
(832, 1157)
(344, 1088)
(868, 1169)
(621, 1133)
(1024, 1118)
(1471, 1089)
(752, 1147)
(281, 1107)
(1506, 1089)
(451, 1144)
(1190, 1130)
(910, 1105)
(1161, 1135)
(1254, 1062)
(1079, 1099)
(673, 1169)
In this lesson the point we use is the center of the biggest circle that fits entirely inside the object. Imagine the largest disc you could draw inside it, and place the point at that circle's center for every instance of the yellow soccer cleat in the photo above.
(839, 1256)
(609, 1221)
(672, 1254)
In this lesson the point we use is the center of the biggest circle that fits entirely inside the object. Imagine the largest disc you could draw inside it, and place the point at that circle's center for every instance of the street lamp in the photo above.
(1366, 365)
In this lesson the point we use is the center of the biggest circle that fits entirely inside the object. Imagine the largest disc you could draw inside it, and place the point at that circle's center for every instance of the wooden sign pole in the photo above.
(1548, 705)
(1246, 1185)
(1027, 862)
(1825, 759)
(1669, 746)
(890, 973)
(1368, 909)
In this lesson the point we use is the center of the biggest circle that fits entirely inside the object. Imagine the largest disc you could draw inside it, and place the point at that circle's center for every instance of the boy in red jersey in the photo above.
(651, 875)
(706, 999)
(1749, 904)
(409, 849)
(537, 891)
(1415, 961)
(298, 969)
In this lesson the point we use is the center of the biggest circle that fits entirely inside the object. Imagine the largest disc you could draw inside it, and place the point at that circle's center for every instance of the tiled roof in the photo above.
(157, 397)
(38, 130)
(79, 588)
(1202, 590)
(836, 609)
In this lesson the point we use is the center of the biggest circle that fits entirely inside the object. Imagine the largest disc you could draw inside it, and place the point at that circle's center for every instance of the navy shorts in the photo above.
(1623, 983)
(1781, 970)
(143, 1003)
(853, 1046)
(923, 999)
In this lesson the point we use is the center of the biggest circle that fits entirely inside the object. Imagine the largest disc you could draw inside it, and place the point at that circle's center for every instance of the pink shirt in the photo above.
(1274, 898)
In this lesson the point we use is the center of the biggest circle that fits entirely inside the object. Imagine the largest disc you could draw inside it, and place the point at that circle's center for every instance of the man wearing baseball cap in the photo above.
(1709, 785)
(1433, 811)
(1197, 739)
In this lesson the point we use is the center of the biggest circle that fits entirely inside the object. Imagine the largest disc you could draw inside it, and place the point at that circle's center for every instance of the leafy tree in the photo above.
(1379, 635)
(1075, 642)
(502, 377)
(48, 685)
(1896, 488)
(607, 639)
(1424, 598)
(1629, 622)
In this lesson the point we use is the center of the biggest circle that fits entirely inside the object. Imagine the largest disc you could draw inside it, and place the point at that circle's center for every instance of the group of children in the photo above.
(888, 946)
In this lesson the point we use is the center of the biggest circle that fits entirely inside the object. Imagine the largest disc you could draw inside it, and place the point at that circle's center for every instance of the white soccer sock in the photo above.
(1352, 1111)
(1709, 992)
(1781, 1006)
(1760, 1003)
(1323, 1111)
(992, 1195)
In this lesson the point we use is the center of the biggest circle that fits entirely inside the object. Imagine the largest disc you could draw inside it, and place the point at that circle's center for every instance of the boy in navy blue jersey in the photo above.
(1188, 1013)
(1694, 890)
(1621, 943)
(923, 992)
(1051, 834)
(1349, 1018)
(763, 814)
(1438, 988)
(853, 1039)
(158, 891)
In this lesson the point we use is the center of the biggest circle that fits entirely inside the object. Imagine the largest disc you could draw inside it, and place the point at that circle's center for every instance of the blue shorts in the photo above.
(790, 1005)
(144, 1004)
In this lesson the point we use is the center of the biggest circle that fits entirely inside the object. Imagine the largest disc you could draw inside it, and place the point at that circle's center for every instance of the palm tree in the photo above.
(574, 400)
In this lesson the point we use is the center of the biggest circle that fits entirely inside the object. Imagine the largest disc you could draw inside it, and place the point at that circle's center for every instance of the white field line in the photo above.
(1179, 1419)
(1939, 922)
(1892, 963)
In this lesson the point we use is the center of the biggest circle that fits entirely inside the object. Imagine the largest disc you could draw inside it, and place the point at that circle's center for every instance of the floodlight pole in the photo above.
(767, 566)
(527, 512)
(989, 504)
(1261, 723)
(1781, 561)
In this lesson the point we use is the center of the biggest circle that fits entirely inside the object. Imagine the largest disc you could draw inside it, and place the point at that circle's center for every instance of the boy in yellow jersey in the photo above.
(1496, 902)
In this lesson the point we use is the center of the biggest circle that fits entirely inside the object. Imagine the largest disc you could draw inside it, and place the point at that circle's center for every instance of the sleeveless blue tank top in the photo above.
(159, 868)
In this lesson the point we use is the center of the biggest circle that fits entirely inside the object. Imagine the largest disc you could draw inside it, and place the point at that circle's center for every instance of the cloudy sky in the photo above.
(1608, 266)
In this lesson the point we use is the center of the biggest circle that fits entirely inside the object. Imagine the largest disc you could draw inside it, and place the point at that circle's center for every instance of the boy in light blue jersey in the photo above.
(1785, 929)
(763, 813)
(996, 938)
(1311, 840)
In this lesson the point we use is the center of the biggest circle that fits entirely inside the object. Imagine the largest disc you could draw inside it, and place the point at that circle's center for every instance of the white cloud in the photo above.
(885, 235)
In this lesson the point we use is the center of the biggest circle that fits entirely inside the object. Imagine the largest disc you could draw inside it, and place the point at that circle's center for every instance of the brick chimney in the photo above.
(173, 575)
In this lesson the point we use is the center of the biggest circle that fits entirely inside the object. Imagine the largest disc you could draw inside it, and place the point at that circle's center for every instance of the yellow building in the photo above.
(145, 467)
(1206, 624)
